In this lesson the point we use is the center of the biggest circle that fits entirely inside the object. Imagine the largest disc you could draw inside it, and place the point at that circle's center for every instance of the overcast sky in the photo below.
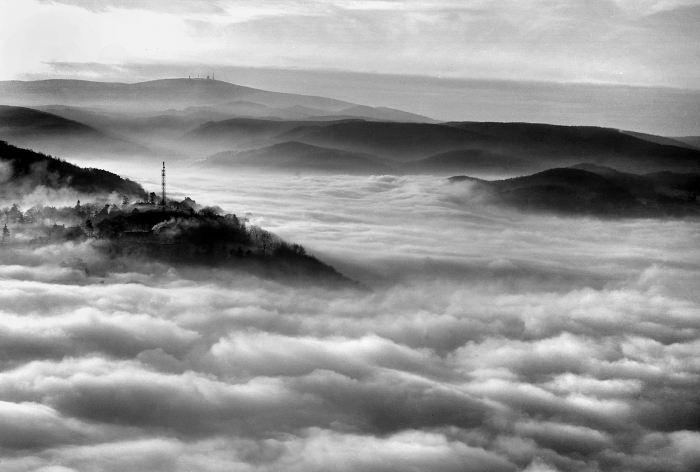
(647, 42)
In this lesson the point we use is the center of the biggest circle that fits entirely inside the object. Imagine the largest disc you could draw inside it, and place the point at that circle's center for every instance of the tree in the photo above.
(233, 219)
(33, 215)
(5, 235)
(89, 229)
(79, 212)
(15, 213)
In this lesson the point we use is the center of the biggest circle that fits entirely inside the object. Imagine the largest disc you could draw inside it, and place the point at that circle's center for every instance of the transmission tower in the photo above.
(162, 174)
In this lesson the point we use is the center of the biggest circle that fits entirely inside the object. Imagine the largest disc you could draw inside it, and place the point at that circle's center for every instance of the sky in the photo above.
(388, 53)
(647, 42)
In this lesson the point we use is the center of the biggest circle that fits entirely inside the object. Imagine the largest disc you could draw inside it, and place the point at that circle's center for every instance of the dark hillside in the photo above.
(597, 191)
(459, 147)
(571, 144)
(31, 169)
(208, 239)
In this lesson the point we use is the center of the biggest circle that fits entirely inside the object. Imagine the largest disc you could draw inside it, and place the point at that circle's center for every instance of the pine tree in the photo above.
(5, 234)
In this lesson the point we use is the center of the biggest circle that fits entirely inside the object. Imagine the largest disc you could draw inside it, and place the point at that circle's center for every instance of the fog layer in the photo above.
(489, 340)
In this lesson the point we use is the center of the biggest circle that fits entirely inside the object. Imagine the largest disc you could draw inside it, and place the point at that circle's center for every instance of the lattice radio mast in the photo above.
(162, 174)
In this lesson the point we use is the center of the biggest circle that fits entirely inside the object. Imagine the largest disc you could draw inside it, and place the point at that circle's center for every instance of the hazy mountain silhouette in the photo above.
(568, 145)
(158, 131)
(29, 170)
(51, 133)
(588, 189)
(242, 134)
(659, 139)
(468, 160)
(457, 147)
(298, 156)
(380, 114)
(192, 118)
(693, 141)
(399, 141)
(152, 95)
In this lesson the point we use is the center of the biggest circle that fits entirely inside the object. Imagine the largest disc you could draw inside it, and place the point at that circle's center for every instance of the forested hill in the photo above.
(588, 189)
(24, 170)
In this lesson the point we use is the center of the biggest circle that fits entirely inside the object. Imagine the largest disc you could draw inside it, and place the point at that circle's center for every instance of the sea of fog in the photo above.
(480, 339)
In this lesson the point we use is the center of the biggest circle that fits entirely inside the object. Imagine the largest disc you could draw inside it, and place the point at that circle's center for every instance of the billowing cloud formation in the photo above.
(489, 341)
(623, 42)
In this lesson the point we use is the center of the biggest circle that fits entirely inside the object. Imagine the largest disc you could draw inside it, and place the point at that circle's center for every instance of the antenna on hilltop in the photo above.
(162, 174)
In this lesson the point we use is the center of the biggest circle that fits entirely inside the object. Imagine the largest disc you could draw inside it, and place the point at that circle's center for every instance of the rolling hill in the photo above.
(48, 132)
(29, 170)
(568, 145)
(399, 141)
(195, 118)
(507, 147)
(588, 189)
(158, 95)
(693, 141)
(298, 157)
(468, 160)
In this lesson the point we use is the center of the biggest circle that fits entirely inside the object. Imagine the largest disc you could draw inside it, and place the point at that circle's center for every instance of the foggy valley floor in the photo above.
(490, 340)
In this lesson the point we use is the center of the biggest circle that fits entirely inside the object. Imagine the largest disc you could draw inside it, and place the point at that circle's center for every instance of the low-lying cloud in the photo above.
(489, 340)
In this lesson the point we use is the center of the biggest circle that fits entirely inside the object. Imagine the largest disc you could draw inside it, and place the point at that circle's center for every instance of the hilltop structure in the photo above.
(162, 174)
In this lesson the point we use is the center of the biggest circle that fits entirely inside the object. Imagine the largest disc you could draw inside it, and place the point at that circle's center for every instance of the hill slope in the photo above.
(468, 160)
(693, 141)
(568, 145)
(507, 147)
(298, 156)
(595, 190)
(51, 133)
(25, 170)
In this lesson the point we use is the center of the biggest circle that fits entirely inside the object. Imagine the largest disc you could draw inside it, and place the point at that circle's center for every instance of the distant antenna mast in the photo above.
(162, 174)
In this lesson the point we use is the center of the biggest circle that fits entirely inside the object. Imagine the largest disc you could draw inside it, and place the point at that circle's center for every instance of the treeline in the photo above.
(205, 228)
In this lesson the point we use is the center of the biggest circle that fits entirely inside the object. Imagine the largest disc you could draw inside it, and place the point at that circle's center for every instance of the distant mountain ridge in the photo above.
(693, 141)
(153, 94)
(458, 146)
(195, 118)
(298, 157)
(159, 95)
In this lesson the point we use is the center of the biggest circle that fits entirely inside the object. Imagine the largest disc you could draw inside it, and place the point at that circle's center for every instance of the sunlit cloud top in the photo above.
(646, 42)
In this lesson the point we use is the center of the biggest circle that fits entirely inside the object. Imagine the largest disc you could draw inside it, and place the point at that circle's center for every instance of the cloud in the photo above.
(605, 41)
(490, 340)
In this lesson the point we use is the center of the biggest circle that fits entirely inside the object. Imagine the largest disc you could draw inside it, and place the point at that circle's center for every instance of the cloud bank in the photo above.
(608, 41)
(490, 341)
